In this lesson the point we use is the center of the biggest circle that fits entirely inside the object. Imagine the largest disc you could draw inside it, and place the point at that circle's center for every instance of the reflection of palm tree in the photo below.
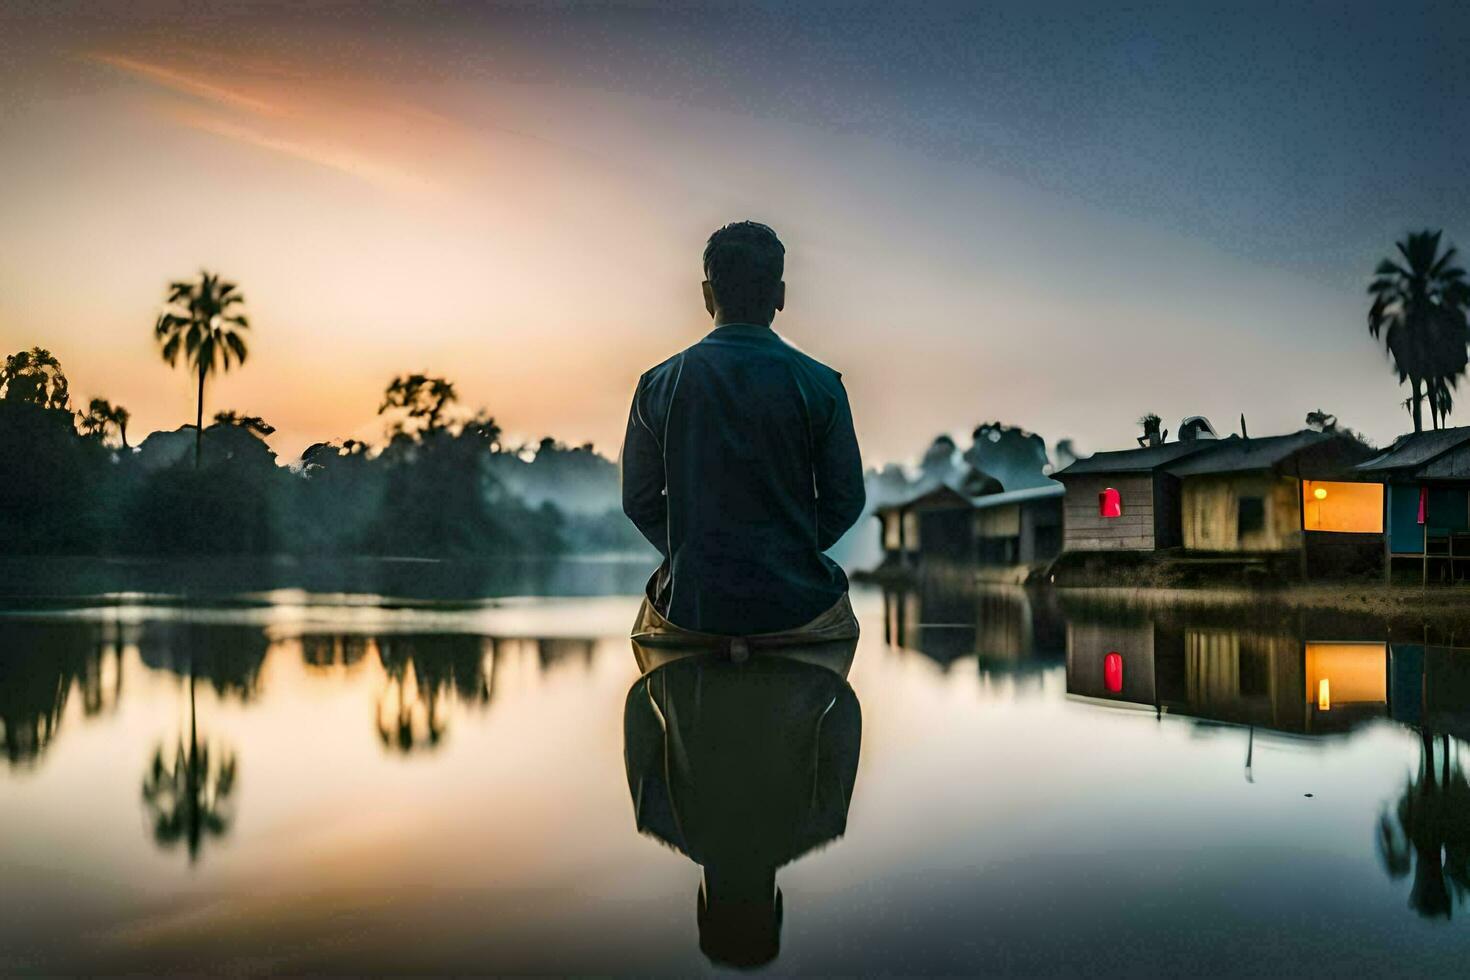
(1429, 831)
(188, 797)
(204, 325)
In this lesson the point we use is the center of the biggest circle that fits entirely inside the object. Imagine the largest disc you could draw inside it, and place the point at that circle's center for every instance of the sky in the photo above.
(1061, 216)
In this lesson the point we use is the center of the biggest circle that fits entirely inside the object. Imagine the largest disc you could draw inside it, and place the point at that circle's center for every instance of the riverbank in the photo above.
(1444, 607)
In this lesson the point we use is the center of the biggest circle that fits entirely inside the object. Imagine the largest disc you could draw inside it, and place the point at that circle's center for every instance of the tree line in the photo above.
(443, 485)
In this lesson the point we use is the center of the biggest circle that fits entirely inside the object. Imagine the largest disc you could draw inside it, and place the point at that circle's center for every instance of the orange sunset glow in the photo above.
(488, 208)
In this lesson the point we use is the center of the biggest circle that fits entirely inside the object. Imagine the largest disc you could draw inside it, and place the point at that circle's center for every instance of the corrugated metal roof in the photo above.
(1050, 489)
(1417, 448)
(983, 501)
(1237, 455)
(1138, 460)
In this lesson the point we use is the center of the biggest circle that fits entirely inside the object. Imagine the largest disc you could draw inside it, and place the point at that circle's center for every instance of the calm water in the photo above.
(307, 778)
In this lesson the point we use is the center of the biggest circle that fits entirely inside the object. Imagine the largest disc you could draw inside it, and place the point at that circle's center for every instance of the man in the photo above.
(740, 463)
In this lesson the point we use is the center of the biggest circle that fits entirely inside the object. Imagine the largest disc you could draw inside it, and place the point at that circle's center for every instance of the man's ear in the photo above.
(780, 297)
(709, 298)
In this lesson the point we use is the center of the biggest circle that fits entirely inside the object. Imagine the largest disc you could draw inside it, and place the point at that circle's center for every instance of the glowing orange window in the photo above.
(1110, 503)
(1113, 672)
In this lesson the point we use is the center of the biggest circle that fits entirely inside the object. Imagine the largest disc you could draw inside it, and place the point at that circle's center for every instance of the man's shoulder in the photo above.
(664, 369)
(819, 371)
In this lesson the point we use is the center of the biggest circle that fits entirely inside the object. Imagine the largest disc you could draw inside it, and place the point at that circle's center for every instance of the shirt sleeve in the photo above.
(839, 476)
(643, 479)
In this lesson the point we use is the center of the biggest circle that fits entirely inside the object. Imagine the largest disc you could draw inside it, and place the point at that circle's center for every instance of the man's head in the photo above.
(743, 264)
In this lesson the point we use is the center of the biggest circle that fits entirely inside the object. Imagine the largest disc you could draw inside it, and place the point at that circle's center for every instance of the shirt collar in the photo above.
(757, 330)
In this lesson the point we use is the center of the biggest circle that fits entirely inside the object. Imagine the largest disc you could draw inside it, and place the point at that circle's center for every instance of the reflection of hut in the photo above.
(1346, 684)
(1429, 688)
(1112, 662)
(1426, 478)
(1126, 500)
(1008, 629)
(1281, 495)
(1242, 677)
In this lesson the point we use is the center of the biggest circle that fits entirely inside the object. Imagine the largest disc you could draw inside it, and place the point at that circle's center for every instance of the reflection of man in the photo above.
(741, 798)
(740, 463)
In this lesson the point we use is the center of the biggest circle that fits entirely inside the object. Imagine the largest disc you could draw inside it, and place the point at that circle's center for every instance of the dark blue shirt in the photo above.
(741, 467)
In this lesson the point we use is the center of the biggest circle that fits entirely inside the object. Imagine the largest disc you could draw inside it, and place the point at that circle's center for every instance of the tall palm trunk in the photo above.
(192, 781)
(199, 419)
(1417, 382)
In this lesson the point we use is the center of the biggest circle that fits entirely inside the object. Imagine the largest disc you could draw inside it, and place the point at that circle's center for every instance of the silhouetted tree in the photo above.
(203, 324)
(1321, 421)
(101, 416)
(937, 462)
(1419, 309)
(1153, 435)
(253, 424)
(1010, 454)
(34, 376)
(1441, 394)
(422, 398)
(56, 489)
(1066, 453)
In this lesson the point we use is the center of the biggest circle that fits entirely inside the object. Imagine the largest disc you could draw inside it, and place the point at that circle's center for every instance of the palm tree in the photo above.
(102, 415)
(204, 325)
(1419, 308)
(1442, 399)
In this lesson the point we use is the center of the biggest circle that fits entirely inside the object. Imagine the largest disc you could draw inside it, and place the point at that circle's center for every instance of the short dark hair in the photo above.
(743, 262)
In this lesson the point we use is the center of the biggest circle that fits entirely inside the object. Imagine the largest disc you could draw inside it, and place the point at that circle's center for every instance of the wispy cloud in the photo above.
(186, 84)
(295, 122)
(334, 157)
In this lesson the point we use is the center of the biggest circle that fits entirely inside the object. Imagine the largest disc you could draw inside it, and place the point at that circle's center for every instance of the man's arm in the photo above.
(839, 476)
(643, 480)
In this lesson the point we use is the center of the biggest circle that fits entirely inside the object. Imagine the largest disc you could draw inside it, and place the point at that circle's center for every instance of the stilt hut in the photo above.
(1426, 510)
(974, 524)
(1294, 496)
(1126, 500)
(935, 523)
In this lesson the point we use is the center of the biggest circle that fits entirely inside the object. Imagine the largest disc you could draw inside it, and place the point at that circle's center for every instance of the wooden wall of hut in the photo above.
(1087, 530)
(1211, 510)
(1088, 647)
(1245, 677)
